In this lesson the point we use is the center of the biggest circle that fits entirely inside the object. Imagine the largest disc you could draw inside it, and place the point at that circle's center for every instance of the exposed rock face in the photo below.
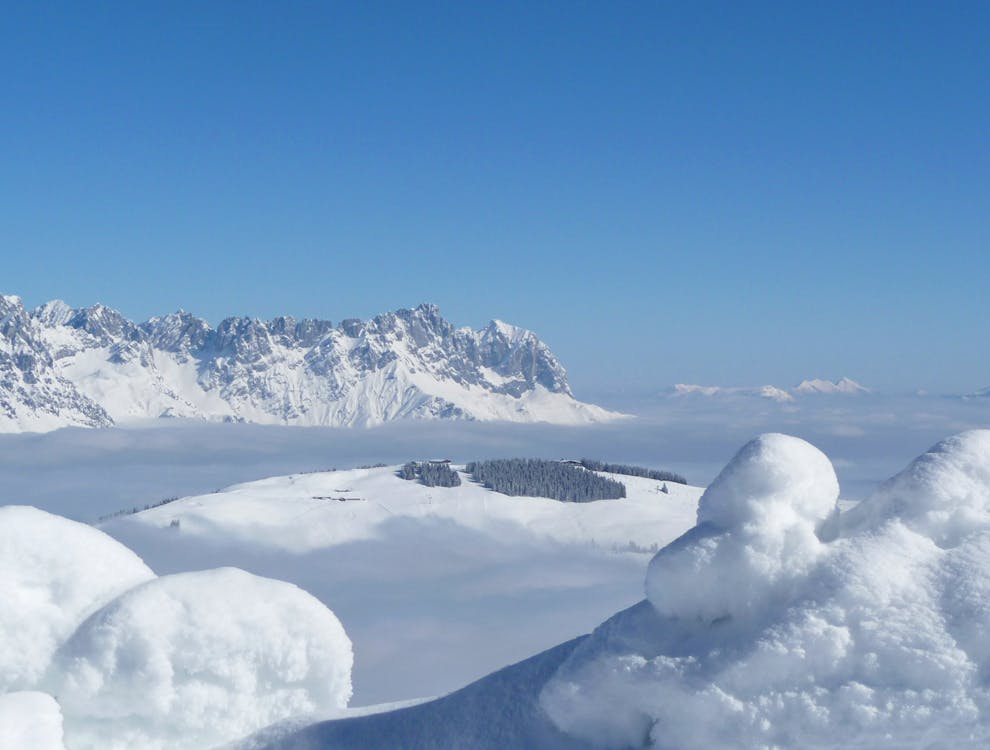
(61, 366)
(33, 394)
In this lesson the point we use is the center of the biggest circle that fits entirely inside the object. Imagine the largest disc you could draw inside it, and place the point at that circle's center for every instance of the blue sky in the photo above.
(729, 193)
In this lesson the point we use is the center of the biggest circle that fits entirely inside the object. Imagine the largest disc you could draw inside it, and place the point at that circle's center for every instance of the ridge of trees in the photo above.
(633, 471)
(540, 478)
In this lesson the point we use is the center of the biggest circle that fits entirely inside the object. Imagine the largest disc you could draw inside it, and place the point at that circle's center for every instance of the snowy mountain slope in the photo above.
(421, 576)
(499, 712)
(92, 367)
(772, 623)
(34, 394)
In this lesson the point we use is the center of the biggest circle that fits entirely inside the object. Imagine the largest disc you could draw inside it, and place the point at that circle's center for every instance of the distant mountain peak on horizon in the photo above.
(91, 366)
(817, 386)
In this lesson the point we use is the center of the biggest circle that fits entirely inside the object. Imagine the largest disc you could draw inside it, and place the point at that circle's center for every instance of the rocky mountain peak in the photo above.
(96, 367)
(54, 313)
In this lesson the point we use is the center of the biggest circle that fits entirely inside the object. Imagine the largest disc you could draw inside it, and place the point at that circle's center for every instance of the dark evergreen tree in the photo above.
(438, 475)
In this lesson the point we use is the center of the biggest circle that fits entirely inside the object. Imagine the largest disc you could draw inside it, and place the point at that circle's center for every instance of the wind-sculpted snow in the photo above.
(877, 638)
(192, 660)
(53, 574)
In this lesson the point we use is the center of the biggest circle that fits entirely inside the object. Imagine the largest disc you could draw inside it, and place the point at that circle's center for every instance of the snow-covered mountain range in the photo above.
(815, 386)
(63, 366)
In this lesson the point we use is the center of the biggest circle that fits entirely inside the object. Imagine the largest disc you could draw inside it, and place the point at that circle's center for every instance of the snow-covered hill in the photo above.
(92, 367)
(420, 576)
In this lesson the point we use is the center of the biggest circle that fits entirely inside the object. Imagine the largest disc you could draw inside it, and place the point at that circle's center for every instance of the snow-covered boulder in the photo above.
(196, 659)
(30, 721)
(53, 574)
(877, 636)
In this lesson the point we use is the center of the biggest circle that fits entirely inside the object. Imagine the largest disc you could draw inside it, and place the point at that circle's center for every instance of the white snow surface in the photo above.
(30, 721)
(878, 640)
(53, 574)
(428, 581)
(881, 639)
(756, 535)
(192, 660)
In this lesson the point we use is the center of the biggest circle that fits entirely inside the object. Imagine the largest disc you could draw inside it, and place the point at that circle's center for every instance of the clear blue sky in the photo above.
(733, 192)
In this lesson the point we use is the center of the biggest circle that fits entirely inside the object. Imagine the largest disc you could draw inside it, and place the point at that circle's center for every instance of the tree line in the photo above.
(633, 471)
(539, 478)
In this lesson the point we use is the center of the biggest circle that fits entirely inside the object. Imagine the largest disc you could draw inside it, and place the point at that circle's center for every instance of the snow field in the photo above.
(420, 576)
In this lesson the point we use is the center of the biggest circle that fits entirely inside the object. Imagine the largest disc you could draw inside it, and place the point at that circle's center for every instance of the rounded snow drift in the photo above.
(943, 494)
(197, 659)
(757, 533)
(53, 574)
(774, 479)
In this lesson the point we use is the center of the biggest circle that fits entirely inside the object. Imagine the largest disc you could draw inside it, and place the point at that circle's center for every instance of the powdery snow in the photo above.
(878, 640)
(53, 574)
(756, 534)
(193, 660)
(30, 721)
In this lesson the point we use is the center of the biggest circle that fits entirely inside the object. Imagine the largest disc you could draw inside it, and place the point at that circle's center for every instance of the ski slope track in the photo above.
(91, 367)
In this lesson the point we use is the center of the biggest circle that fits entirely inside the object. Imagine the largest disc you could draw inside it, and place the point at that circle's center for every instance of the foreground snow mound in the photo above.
(197, 659)
(943, 494)
(880, 637)
(53, 574)
(757, 533)
(30, 721)
(499, 712)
